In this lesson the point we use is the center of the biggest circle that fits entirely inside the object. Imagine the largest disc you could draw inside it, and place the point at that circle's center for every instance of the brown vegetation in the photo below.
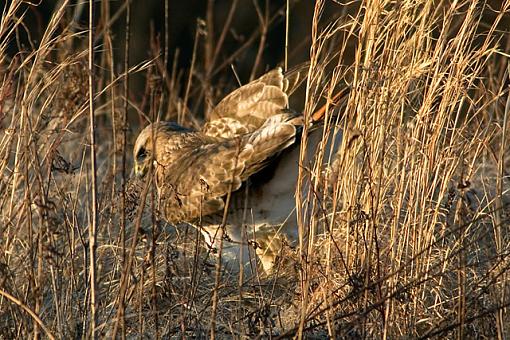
(405, 233)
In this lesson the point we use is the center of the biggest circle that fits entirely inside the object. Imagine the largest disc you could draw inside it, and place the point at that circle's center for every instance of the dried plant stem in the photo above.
(264, 25)
(130, 256)
(221, 234)
(287, 22)
(155, 232)
(221, 39)
(184, 110)
(305, 230)
(500, 206)
(93, 169)
(29, 311)
(124, 122)
(209, 39)
(273, 19)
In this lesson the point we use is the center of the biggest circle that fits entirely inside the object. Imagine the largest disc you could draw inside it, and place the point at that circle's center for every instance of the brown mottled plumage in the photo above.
(195, 170)
(262, 98)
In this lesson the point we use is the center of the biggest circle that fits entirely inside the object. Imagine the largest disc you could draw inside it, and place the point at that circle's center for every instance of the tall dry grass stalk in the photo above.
(404, 231)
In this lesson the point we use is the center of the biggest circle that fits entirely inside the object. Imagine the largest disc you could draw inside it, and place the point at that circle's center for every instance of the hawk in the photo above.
(201, 175)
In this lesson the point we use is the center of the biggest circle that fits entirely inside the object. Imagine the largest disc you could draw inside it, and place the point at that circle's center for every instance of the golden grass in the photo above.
(405, 233)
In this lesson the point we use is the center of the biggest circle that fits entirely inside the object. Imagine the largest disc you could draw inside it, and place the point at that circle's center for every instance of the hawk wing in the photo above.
(247, 108)
(195, 173)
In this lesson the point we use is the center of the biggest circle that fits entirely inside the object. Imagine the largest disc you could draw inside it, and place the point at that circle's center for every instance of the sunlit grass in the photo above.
(405, 233)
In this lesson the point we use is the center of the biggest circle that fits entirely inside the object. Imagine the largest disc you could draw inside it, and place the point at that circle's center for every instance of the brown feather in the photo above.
(195, 171)
(260, 99)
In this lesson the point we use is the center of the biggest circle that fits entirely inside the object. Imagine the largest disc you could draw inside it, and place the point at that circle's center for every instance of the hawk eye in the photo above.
(141, 155)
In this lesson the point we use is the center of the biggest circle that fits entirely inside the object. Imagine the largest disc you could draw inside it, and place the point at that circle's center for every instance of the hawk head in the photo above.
(153, 137)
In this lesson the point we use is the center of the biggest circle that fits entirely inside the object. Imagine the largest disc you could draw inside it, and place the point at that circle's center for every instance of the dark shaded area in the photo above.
(148, 22)
(238, 52)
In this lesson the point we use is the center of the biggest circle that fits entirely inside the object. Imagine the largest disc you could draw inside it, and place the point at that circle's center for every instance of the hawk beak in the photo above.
(140, 170)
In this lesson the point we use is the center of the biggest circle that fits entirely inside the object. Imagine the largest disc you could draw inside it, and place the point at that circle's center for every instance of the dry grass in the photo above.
(406, 233)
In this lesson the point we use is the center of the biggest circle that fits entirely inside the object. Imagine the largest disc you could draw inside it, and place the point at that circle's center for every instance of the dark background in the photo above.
(147, 22)
(147, 39)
